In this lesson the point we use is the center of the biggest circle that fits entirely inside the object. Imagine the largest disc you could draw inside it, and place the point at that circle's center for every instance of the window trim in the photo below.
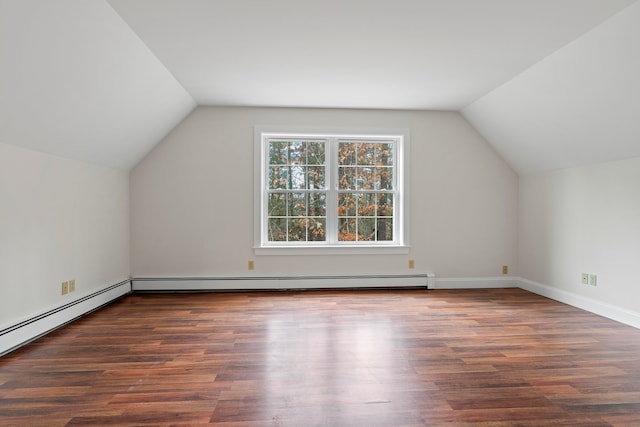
(401, 246)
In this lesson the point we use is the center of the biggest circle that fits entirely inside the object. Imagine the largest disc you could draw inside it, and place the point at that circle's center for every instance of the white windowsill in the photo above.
(331, 250)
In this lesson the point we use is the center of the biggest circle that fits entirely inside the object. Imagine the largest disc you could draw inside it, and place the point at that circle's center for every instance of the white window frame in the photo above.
(400, 244)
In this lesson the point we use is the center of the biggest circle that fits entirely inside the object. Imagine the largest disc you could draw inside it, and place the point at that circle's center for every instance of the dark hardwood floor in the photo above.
(501, 357)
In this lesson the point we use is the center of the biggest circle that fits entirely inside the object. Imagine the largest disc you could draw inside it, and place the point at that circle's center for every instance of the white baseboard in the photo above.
(475, 282)
(30, 329)
(178, 284)
(609, 311)
(613, 312)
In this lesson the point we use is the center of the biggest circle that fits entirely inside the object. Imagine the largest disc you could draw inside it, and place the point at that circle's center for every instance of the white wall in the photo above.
(59, 219)
(583, 219)
(192, 198)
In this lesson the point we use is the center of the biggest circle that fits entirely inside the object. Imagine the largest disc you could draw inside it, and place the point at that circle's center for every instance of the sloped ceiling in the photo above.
(580, 105)
(105, 81)
(77, 82)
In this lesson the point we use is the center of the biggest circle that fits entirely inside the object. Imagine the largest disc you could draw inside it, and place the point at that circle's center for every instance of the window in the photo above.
(330, 191)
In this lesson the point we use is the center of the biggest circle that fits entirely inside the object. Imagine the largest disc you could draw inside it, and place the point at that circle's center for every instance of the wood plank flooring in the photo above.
(499, 357)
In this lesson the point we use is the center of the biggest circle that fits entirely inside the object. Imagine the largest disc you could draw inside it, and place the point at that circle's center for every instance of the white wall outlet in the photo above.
(593, 280)
(585, 278)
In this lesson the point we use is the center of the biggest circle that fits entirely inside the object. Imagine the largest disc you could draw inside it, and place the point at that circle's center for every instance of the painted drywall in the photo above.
(583, 220)
(558, 113)
(192, 198)
(74, 72)
(60, 219)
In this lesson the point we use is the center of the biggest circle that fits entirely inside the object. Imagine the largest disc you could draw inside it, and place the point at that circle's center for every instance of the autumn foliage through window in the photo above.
(365, 191)
(297, 191)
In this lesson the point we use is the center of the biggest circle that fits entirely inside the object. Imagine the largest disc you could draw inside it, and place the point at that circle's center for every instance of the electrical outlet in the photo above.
(593, 280)
(505, 269)
(65, 288)
(585, 278)
(72, 285)
(412, 264)
(251, 265)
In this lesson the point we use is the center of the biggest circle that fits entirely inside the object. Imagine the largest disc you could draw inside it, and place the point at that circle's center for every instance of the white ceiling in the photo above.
(407, 54)
(105, 84)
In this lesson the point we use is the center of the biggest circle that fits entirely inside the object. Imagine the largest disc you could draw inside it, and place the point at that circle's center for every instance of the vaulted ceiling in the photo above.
(549, 83)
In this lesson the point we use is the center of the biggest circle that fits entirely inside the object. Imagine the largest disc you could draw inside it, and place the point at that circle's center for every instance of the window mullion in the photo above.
(332, 193)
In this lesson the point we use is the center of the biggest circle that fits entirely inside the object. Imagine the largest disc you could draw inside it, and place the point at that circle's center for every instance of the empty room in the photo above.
(319, 213)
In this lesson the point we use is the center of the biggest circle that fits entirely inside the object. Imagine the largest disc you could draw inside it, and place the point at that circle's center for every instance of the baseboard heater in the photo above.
(184, 284)
(34, 327)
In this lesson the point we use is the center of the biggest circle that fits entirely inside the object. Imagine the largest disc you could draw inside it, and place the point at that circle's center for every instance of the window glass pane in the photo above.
(347, 229)
(384, 154)
(366, 229)
(316, 179)
(278, 177)
(317, 229)
(385, 204)
(277, 230)
(278, 152)
(346, 204)
(366, 205)
(297, 178)
(297, 153)
(277, 206)
(366, 153)
(347, 178)
(315, 153)
(297, 204)
(297, 228)
(365, 178)
(384, 178)
(347, 153)
(317, 204)
(385, 229)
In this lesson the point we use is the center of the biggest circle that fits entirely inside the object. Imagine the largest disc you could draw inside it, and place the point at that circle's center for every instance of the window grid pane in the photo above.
(294, 213)
(365, 166)
(365, 216)
(365, 191)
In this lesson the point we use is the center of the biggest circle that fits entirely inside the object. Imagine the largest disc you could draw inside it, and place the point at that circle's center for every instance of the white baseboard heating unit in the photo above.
(16, 335)
(178, 284)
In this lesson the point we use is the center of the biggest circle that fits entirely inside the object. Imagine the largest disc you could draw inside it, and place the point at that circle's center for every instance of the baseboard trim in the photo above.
(28, 330)
(182, 284)
(475, 282)
(628, 317)
(609, 311)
